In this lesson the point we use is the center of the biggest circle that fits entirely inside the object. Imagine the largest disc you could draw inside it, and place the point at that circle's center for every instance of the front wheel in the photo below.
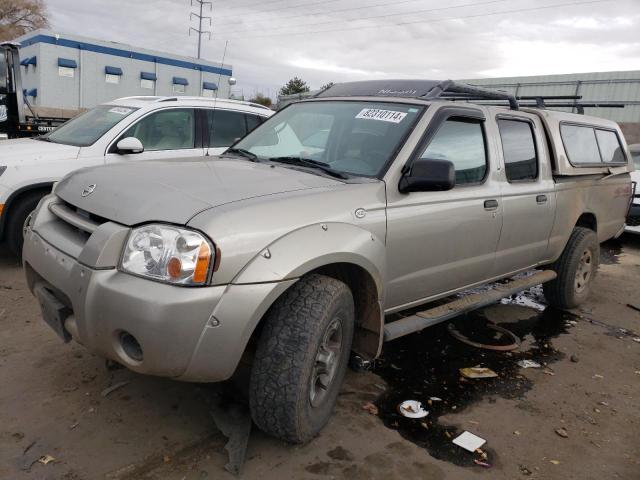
(17, 220)
(576, 269)
(301, 358)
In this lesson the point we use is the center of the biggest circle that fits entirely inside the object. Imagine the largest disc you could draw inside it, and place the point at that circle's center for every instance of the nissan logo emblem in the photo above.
(88, 190)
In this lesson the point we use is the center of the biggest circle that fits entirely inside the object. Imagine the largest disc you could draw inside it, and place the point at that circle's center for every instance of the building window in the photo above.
(111, 78)
(147, 84)
(66, 72)
(207, 93)
(178, 88)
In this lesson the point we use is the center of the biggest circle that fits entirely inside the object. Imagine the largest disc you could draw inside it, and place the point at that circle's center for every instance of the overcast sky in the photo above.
(336, 40)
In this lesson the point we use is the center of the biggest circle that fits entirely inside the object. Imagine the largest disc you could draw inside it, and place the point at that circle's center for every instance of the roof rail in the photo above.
(212, 99)
(450, 90)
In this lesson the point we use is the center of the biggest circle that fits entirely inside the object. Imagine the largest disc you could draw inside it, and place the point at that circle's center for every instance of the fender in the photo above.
(314, 246)
(9, 202)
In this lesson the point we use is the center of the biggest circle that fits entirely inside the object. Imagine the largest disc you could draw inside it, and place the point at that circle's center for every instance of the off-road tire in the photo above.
(16, 219)
(286, 358)
(562, 292)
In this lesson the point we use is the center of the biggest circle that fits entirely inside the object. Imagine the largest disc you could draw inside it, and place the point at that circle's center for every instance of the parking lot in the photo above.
(55, 400)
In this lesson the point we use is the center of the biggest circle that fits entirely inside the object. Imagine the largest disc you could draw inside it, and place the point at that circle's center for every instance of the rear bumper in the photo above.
(194, 334)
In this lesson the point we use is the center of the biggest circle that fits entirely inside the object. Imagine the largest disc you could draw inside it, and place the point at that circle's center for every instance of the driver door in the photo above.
(166, 133)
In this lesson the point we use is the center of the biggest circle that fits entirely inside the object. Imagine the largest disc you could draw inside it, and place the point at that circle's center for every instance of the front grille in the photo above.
(79, 220)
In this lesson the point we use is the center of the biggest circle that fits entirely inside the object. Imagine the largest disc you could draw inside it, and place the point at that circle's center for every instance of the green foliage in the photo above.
(262, 100)
(295, 85)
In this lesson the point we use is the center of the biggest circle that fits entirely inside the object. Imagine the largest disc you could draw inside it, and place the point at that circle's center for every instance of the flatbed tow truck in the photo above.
(14, 122)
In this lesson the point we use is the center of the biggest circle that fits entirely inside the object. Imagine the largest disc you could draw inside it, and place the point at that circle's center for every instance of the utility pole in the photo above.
(200, 17)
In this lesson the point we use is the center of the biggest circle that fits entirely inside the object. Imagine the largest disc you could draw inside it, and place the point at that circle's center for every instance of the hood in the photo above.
(175, 190)
(29, 151)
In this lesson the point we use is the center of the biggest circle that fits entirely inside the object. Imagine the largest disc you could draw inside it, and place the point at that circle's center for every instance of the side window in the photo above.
(580, 144)
(461, 141)
(519, 150)
(610, 148)
(252, 122)
(225, 127)
(171, 129)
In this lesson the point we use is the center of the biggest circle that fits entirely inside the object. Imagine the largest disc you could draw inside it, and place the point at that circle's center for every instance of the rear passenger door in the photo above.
(225, 127)
(528, 196)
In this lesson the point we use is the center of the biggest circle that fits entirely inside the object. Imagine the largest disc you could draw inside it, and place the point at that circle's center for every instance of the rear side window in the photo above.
(580, 143)
(225, 127)
(461, 141)
(589, 145)
(252, 122)
(519, 150)
(610, 148)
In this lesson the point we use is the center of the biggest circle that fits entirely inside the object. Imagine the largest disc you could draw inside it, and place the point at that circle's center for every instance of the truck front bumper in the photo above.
(192, 334)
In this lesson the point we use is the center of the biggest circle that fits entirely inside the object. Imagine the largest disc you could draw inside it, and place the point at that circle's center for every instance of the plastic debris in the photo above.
(469, 441)
(478, 372)
(435, 399)
(371, 408)
(562, 432)
(555, 462)
(46, 459)
(113, 388)
(412, 409)
(529, 364)
(481, 463)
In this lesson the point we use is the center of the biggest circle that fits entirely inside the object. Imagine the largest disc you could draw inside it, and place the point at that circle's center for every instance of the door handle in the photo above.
(541, 198)
(490, 204)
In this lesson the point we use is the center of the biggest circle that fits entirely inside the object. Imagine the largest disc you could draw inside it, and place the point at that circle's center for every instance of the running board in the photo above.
(442, 313)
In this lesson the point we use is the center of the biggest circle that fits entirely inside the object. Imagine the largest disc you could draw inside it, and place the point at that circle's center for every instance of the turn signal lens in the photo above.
(202, 264)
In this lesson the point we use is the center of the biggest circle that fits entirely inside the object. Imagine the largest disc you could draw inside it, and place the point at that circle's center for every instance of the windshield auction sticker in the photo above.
(382, 115)
(120, 110)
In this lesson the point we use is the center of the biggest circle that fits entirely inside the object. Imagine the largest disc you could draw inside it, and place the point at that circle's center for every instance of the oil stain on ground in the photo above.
(426, 364)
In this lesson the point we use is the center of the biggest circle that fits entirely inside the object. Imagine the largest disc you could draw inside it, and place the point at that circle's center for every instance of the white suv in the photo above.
(124, 130)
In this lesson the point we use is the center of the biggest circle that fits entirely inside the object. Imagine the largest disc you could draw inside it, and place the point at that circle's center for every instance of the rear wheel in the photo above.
(301, 358)
(18, 216)
(576, 269)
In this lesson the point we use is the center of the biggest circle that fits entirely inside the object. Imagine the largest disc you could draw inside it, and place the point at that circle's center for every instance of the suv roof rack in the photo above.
(423, 89)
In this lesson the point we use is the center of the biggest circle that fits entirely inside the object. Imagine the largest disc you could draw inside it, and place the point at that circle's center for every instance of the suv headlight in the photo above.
(168, 254)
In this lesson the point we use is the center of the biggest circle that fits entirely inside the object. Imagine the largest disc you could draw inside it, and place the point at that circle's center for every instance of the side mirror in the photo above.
(429, 175)
(129, 145)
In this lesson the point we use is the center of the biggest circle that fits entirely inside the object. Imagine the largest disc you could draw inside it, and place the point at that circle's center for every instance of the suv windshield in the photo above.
(85, 129)
(353, 137)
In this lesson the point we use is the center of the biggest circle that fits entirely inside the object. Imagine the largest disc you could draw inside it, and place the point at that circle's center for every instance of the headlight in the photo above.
(168, 254)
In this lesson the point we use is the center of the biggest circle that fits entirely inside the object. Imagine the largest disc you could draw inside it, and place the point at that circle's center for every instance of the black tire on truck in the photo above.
(301, 358)
(20, 211)
(576, 269)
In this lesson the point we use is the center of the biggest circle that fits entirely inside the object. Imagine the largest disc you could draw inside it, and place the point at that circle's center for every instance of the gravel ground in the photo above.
(588, 388)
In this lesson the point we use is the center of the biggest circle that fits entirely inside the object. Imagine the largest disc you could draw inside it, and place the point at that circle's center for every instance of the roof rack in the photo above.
(423, 89)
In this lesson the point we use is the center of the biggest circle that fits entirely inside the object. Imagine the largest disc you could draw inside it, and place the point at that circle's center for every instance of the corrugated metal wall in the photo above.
(594, 87)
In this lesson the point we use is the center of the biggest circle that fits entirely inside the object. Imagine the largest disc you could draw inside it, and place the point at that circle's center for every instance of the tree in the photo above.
(293, 86)
(327, 85)
(262, 100)
(18, 17)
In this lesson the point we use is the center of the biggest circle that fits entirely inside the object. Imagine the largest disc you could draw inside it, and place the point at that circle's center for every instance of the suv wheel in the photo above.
(576, 269)
(301, 359)
(18, 216)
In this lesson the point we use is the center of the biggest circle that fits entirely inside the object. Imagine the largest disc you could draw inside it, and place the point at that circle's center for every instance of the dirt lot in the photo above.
(152, 428)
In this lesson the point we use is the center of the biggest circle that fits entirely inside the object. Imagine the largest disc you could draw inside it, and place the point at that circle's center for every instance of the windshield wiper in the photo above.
(307, 162)
(243, 153)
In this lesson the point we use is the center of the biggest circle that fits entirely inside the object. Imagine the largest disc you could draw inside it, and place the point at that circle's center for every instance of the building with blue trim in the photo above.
(63, 74)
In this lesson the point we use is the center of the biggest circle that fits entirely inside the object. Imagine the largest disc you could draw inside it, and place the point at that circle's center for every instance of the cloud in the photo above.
(273, 40)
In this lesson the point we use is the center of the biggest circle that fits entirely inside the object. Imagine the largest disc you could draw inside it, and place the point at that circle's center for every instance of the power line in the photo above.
(288, 7)
(451, 7)
(413, 22)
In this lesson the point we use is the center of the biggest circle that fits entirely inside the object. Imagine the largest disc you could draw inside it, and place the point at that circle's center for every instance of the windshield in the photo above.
(356, 138)
(86, 129)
